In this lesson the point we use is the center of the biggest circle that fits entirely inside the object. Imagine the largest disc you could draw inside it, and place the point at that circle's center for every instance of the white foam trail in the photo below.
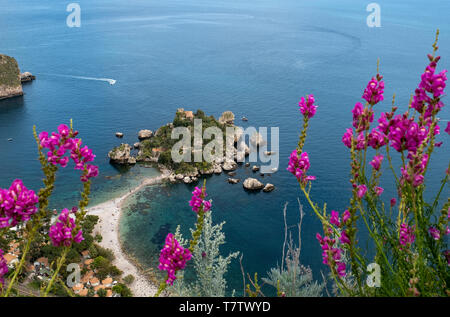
(109, 80)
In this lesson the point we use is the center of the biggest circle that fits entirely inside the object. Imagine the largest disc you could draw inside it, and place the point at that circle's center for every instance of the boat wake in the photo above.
(108, 80)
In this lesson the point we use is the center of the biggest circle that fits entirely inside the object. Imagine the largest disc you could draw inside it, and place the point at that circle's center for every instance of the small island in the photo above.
(155, 148)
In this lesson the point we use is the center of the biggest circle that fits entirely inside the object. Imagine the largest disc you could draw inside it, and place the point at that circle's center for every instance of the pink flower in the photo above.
(62, 232)
(16, 204)
(376, 139)
(376, 162)
(340, 268)
(346, 216)
(198, 202)
(347, 138)
(362, 117)
(360, 141)
(299, 166)
(361, 191)
(407, 236)
(344, 238)
(393, 202)
(447, 129)
(334, 219)
(173, 257)
(373, 93)
(65, 142)
(328, 249)
(378, 190)
(307, 107)
(435, 233)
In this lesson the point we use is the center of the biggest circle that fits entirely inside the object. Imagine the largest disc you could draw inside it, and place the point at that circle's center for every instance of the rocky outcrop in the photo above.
(229, 165)
(268, 188)
(26, 77)
(121, 155)
(233, 180)
(227, 118)
(217, 169)
(253, 184)
(145, 134)
(10, 84)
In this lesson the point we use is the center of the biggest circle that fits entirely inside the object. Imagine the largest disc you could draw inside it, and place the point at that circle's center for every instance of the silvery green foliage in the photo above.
(291, 278)
(210, 267)
(294, 279)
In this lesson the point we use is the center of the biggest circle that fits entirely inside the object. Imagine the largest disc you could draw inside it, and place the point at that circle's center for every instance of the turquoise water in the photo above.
(255, 58)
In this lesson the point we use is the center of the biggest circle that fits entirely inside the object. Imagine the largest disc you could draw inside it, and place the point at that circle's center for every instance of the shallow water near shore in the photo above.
(254, 58)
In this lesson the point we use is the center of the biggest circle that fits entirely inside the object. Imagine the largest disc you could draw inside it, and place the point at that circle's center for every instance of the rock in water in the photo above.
(255, 168)
(119, 135)
(253, 184)
(145, 134)
(27, 76)
(121, 155)
(233, 180)
(229, 166)
(268, 188)
(10, 84)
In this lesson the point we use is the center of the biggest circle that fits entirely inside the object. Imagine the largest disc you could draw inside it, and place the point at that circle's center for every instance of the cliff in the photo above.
(10, 82)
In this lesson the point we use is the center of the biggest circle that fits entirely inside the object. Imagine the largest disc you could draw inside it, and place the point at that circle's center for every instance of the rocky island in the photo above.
(155, 148)
(11, 79)
(10, 82)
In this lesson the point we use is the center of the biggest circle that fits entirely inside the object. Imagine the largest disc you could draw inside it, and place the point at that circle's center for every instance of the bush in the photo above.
(101, 292)
(129, 279)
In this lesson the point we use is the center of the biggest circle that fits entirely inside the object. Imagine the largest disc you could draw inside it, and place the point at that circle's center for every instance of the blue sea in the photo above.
(255, 58)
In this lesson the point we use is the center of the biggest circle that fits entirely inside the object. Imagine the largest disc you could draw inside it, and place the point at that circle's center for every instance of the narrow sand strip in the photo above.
(108, 227)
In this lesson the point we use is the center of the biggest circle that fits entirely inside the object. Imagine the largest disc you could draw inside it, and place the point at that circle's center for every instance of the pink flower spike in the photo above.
(334, 219)
(346, 216)
(376, 162)
(361, 191)
(378, 190)
(307, 107)
(434, 233)
(344, 238)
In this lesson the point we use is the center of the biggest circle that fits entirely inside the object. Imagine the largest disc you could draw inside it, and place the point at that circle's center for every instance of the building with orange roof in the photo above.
(77, 288)
(88, 262)
(107, 282)
(11, 259)
(85, 254)
(189, 115)
(86, 277)
(94, 281)
(109, 293)
(43, 261)
(83, 292)
(97, 288)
